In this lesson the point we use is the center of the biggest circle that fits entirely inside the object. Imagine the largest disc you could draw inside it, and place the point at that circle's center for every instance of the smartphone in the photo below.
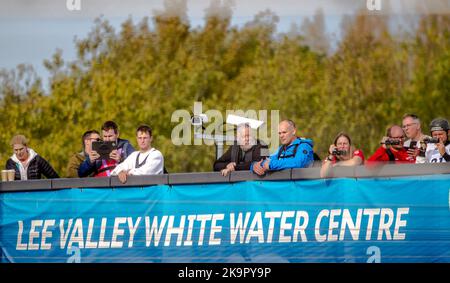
(413, 145)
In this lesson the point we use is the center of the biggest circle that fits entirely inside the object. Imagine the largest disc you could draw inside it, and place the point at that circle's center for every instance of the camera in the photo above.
(338, 152)
(430, 140)
(104, 148)
(392, 142)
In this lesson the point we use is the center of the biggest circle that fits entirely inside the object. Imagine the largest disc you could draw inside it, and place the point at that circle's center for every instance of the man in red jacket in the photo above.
(392, 147)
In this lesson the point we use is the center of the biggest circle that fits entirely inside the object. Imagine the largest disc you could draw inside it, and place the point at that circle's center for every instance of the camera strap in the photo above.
(138, 165)
(280, 155)
(390, 154)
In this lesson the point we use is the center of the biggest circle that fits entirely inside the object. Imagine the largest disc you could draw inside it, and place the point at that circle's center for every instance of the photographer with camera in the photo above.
(437, 148)
(102, 166)
(413, 131)
(341, 153)
(392, 147)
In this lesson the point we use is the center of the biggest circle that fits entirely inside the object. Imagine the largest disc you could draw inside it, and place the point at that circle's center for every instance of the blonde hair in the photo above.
(19, 139)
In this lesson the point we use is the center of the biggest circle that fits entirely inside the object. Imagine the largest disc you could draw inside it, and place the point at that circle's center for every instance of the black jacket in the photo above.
(235, 154)
(38, 166)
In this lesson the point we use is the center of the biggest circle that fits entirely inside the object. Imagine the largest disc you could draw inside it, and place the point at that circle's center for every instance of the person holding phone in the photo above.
(101, 167)
(411, 126)
(77, 159)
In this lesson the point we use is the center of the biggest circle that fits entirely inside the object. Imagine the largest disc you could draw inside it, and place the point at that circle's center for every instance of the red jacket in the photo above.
(400, 155)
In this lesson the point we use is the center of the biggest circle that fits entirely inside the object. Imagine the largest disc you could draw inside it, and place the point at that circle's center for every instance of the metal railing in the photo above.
(371, 171)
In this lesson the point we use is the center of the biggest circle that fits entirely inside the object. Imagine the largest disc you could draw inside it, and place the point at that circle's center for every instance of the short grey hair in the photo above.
(242, 127)
(412, 116)
(290, 123)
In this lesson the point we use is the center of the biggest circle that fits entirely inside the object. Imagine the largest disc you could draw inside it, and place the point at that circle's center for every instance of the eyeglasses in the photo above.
(408, 125)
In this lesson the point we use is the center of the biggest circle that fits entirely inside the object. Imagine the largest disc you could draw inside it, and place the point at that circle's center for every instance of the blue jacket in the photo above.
(87, 168)
(303, 155)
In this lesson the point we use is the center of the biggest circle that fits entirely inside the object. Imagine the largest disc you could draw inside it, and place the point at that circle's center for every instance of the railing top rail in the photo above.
(372, 171)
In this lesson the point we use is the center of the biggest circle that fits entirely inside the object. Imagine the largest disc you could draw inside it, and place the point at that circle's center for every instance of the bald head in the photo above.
(287, 132)
(396, 133)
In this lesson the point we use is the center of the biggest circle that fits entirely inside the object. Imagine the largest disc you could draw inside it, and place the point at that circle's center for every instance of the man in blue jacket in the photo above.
(294, 152)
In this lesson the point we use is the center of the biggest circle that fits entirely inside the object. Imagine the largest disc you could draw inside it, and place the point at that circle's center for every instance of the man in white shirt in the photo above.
(413, 131)
(145, 161)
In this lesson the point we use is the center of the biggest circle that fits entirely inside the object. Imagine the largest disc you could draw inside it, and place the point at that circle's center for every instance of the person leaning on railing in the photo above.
(241, 154)
(26, 163)
(146, 161)
(294, 152)
(341, 153)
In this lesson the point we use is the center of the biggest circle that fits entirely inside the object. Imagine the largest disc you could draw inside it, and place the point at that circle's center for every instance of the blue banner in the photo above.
(404, 219)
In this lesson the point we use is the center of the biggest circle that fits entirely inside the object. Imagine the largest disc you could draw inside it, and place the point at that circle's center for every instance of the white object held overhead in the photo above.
(237, 120)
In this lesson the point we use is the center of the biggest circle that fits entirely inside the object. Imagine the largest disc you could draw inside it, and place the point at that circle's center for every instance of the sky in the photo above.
(32, 30)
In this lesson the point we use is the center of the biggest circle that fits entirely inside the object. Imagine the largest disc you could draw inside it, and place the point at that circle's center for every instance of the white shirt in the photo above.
(432, 154)
(154, 163)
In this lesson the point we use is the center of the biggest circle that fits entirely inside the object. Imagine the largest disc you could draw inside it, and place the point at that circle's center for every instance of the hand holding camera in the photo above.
(338, 152)
(431, 140)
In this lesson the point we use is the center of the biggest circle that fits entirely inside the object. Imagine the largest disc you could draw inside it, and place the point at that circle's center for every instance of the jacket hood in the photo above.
(121, 142)
(31, 154)
(303, 140)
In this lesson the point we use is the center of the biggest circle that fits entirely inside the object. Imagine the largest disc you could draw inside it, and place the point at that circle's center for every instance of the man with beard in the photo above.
(240, 155)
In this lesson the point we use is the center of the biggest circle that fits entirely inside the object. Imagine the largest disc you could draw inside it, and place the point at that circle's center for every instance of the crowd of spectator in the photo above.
(109, 155)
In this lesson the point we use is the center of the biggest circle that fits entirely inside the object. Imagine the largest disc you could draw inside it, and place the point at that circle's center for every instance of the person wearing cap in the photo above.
(78, 158)
(436, 152)
(146, 161)
(241, 154)
(392, 149)
(294, 152)
(26, 163)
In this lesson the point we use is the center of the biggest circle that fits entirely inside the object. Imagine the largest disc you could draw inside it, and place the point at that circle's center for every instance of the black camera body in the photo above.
(430, 140)
(338, 152)
(391, 142)
(104, 148)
